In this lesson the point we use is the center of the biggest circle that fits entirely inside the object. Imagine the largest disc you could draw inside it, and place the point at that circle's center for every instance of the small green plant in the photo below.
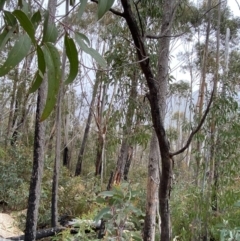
(121, 215)
(228, 234)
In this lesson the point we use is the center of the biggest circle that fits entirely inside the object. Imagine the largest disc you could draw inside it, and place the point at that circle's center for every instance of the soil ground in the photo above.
(8, 226)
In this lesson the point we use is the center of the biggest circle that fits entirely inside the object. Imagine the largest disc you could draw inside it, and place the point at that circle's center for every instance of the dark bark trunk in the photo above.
(38, 156)
(128, 163)
(100, 143)
(78, 169)
(37, 171)
(54, 207)
(157, 96)
(66, 156)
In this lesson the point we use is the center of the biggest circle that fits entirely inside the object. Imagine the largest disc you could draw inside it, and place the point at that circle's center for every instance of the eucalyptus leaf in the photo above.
(50, 32)
(36, 19)
(52, 59)
(40, 72)
(103, 7)
(16, 54)
(82, 8)
(26, 24)
(36, 82)
(94, 54)
(10, 20)
(106, 193)
(84, 37)
(102, 213)
(5, 36)
(72, 54)
(2, 2)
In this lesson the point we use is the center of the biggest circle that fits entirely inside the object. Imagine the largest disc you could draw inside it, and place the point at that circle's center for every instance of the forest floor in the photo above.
(8, 226)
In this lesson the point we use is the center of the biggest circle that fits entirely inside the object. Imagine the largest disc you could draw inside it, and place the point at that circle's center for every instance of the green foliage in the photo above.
(82, 7)
(72, 55)
(52, 59)
(81, 39)
(40, 72)
(50, 31)
(16, 54)
(103, 7)
(121, 211)
(26, 24)
(15, 175)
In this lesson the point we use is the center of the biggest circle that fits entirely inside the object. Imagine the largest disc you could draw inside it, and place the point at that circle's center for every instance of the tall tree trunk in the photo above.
(37, 171)
(157, 98)
(124, 150)
(38, 154)
(54, 207)
(163, 67)
(213, 162)
(101, 130)
(152, 190)
(202, 92)
(78, 169)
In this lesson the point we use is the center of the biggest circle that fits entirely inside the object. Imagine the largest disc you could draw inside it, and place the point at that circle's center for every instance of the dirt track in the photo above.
(8, 226)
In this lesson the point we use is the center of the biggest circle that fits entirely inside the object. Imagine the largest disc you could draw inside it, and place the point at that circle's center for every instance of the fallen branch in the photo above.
(41, 233)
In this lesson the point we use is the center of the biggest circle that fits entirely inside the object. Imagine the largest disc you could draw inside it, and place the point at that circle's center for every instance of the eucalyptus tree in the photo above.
(39, 141)
(49, 63)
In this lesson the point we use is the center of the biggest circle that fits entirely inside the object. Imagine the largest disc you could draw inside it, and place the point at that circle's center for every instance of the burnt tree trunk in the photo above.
(38, 156)
(128, 163)
(37, 170)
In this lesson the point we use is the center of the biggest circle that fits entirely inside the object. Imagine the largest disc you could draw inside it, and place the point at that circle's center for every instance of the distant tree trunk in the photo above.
(11, 112)
(78, 169)
(152, 190)
(124, 151)
(21, 108)
(38, 155)
(67, 146)
(202, 92)
(128, 163)
(54, 207)
(101, 130)
(214, 163)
